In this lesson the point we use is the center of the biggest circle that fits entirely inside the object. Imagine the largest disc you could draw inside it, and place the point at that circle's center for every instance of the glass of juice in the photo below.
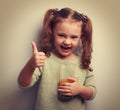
(65, 72)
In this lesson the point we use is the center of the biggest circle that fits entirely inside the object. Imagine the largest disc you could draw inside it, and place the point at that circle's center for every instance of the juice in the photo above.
(65, 80)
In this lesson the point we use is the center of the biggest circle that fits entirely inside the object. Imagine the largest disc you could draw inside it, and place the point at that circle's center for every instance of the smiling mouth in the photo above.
(65, 48)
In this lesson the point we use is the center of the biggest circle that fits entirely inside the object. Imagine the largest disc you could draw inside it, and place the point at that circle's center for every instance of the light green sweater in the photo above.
(53, 70)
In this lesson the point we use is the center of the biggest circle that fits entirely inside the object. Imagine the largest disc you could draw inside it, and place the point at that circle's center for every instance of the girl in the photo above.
(63, 65)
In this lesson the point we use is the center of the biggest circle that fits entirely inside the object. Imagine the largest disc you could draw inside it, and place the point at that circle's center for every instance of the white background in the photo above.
(20, 21)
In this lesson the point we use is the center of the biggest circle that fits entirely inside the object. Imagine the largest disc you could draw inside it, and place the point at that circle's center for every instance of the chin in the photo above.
(65, 54)
(62, 54)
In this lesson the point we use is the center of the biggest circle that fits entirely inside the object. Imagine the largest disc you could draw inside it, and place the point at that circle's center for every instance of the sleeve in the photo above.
(90, 82)
(38, 72)
(36, 75)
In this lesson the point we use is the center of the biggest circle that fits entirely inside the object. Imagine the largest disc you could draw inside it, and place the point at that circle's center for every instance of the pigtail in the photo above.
(47, 39)
(86, 44)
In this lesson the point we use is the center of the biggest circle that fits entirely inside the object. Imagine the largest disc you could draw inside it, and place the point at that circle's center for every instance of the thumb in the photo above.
(34, 47)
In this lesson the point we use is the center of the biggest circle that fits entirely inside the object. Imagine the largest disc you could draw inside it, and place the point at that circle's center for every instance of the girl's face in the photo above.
(66, 38)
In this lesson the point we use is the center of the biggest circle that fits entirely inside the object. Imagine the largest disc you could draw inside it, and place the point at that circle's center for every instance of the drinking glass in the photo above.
(65, 72)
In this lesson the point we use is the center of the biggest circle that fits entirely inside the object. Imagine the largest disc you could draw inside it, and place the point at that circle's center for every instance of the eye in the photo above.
(74, 37)
(61, 35)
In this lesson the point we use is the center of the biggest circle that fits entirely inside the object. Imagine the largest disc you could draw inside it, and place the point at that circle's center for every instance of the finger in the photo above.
(42, 57)
(64, 90)
(71, 79)
(41, 53)
(40, 64)
(34, 47)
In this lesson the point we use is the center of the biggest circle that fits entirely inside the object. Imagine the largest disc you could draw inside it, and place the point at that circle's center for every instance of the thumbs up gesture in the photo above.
(38, 57)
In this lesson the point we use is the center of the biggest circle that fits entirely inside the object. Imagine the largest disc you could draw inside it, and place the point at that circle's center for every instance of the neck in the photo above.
(72, 56)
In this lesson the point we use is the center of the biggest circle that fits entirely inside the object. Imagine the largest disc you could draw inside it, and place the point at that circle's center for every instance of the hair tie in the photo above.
(80, 16)
(55, 11)
(85, 18)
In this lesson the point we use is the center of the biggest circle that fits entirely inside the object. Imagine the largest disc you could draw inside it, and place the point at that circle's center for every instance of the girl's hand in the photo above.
(70, 89)
(38, 58)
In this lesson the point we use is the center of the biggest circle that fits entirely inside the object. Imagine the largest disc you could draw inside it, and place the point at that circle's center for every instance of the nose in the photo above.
(67, 41)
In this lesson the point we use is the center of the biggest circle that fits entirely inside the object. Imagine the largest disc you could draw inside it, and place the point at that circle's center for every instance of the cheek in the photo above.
(76, 44)
(58, 41)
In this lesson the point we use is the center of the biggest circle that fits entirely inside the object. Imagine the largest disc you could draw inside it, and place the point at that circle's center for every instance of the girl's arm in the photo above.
(85, 92)
(37, 60)
(26, 73)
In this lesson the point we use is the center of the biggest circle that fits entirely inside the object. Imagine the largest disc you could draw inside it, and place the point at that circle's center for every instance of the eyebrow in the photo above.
(66, 34)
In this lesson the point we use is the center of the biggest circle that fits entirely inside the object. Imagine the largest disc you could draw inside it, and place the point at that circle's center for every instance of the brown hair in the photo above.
(54, 16)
